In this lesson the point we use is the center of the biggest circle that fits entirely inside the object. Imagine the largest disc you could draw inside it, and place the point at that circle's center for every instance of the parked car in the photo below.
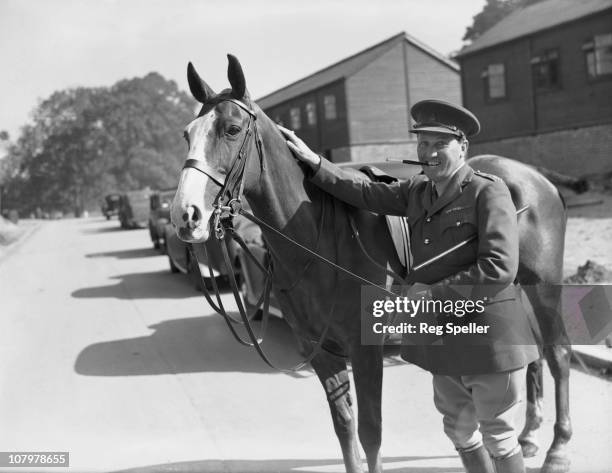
(159, 215)
(110, 205)
(134, 209)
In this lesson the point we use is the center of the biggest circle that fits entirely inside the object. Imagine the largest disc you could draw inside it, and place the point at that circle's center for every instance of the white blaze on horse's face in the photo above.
(192, 205)
(214, 140)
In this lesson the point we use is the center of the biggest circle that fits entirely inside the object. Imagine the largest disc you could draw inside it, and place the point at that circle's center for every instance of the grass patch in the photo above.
(9, 232)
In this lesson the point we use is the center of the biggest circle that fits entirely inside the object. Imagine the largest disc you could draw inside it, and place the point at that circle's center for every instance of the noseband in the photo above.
(227, 202)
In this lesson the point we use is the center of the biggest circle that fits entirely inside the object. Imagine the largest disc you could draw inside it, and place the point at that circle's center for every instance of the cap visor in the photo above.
(435, 129)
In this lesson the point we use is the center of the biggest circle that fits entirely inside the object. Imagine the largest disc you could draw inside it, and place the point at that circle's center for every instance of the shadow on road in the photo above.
(104, 229)
(189, 345)
(124, 254)
(153, 285)
(289, 466)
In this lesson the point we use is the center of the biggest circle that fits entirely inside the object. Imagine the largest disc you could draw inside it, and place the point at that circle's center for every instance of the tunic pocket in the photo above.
(459, 225)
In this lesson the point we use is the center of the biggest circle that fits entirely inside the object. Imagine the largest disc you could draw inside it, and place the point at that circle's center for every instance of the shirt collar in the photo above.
(449, 178)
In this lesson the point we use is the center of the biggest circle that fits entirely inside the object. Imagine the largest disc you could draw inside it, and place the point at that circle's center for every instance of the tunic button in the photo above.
(428, 219)
(426, 241)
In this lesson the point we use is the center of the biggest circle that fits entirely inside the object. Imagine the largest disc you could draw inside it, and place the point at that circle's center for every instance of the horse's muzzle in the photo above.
(193, 235)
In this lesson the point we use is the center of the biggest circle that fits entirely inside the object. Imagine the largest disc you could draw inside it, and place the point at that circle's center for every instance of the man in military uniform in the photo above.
(477, 388)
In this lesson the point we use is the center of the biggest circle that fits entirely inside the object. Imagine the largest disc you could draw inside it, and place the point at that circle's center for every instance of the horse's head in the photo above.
(220, 140)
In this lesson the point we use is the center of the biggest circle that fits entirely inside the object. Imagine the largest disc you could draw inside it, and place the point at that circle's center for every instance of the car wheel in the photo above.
(247, 294)
(173, 268)
(154, 237)
(193, 273)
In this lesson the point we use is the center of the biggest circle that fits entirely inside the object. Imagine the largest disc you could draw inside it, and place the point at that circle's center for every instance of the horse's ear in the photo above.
(236, 77)
(199, 89)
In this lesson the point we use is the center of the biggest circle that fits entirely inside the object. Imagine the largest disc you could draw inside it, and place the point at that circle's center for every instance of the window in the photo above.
(545, 70)
(296, 122)
(599, 56)
(495, 81)
(329, 102)
(311, 113)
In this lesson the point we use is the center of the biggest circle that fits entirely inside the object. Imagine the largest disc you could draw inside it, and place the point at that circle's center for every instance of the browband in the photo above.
(240, 104)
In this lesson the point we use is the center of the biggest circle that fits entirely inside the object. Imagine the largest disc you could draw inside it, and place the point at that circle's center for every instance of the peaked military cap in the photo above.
(442, 117)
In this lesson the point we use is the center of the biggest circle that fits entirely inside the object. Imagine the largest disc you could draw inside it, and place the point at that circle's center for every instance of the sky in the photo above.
(49, 45)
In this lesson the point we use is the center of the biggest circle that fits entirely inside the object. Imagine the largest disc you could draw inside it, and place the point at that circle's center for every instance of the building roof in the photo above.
(534, 18)
(346, 68)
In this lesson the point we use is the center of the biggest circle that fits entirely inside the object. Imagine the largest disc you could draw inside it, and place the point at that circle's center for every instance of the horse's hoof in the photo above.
(555, 464)
(529, 448)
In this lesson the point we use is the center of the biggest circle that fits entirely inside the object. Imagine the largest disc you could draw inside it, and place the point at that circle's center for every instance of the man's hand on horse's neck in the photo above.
(300, 149)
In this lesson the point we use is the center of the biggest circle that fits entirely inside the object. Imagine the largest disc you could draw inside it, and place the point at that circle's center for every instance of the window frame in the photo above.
(485, 76)
(295, 118)
(330, 107)
(547, 56)
(311, 113)
(589, 48)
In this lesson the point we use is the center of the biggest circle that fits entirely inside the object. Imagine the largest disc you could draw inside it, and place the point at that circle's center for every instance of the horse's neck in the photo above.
(283, 198)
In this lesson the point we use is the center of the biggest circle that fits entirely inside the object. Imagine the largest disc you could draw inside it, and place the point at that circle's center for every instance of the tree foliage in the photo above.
(87, 142)
(491, 14)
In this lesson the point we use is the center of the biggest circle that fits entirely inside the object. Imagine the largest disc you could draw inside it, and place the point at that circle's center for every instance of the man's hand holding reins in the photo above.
(300, 150)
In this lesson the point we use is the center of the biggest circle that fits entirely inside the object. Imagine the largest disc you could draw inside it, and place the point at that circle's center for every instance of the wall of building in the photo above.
(429, 78)
(576, 152)
(513, 115)
(379, 98)
(381, 151)
(373, 106)
(377, 102)
(579, 100)
(325, 135)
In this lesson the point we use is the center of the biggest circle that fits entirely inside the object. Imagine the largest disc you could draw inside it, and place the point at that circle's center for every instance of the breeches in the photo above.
(481, 409)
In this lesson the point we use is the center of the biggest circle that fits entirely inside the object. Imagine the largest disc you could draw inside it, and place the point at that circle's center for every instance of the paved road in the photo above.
(105, 354)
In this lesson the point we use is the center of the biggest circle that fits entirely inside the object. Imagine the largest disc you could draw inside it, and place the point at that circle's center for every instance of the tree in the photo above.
(491, 14)
(87, 142)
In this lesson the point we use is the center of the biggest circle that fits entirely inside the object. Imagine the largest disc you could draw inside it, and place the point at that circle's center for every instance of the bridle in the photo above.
(227, 201)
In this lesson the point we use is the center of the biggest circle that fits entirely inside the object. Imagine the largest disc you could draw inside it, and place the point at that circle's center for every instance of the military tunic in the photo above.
(472, 203)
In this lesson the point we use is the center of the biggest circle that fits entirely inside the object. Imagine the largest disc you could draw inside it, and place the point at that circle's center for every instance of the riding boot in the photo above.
(512, 464)
(477, 461)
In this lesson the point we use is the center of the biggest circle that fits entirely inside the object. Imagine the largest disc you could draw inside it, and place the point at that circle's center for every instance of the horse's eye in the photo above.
(233, 130)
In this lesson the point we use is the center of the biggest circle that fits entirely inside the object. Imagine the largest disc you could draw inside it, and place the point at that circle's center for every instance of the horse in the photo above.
(231, 129)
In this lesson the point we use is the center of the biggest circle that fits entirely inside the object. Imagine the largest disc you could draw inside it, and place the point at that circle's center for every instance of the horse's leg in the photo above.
(533, 415)
(367, 363)
(334, 377)
(557, 351)
(558, 358)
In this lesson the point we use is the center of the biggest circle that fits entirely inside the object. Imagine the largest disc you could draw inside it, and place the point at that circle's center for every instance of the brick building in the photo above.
(358, 109)
(541, 83)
